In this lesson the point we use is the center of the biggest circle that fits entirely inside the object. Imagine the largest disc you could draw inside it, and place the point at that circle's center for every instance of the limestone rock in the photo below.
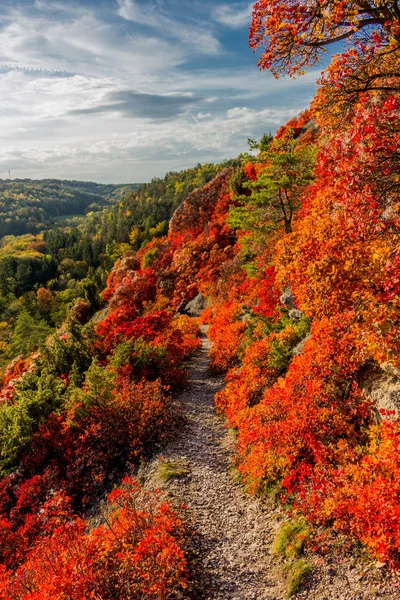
(391, 369)
(382, 384)
(195, 307)
(295, 314)
(300, 346)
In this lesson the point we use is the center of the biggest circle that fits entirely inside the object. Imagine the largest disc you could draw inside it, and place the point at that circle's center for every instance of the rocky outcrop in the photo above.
(300, 346)
(295, 314)
(382, 385)
(197, 210)
(289, 302)
(287, 299)
(195, 307)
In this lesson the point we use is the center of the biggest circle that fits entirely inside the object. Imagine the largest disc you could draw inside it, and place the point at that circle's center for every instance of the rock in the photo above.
(129, 262)
(295, 314)
(246, 315)
(287, 299)
(380, 565)
(300, 346)
(195, 307)
(383, 386)
(199, 204)
(391, 369)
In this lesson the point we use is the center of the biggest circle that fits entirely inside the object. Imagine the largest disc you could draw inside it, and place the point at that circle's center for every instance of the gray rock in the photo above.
(287, 299)
(300, 346)
(195, 307)
(382, 384)
(295, 314)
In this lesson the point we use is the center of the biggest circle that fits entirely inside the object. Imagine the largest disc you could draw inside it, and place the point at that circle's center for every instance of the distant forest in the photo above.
(28, 206)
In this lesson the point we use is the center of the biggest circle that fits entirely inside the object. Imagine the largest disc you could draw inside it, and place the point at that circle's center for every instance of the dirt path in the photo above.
(233, 530)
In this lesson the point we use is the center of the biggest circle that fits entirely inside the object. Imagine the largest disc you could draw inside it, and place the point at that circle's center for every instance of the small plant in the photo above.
(291, 538)
(297, 573)
(236, 475)
(272, 491)
(172, 469)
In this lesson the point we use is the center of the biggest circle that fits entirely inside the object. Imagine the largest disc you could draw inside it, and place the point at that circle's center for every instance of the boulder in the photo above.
(195, 307)
(295, 314)
(382, 385)
(300, 346)
(287, 299)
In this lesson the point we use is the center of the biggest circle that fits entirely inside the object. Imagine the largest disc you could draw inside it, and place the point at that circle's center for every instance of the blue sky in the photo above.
(124, 90)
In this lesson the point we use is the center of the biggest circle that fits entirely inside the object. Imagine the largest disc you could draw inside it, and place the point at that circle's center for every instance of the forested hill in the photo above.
(138, 217)
(43, 274)
(30, 206)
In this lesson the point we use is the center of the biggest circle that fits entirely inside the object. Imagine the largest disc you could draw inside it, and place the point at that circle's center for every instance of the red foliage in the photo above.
(226, 331)
(268, 293)
(117, 328)
(136, 552)
(13, 373)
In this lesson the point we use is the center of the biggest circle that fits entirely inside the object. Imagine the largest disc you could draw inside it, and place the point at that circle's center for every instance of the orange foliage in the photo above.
(136, 552)
(226, 332)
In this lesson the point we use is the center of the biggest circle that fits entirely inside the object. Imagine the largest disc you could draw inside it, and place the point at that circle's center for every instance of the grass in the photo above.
(236, 475)
(291, 538)
(297, 573)
(172, 469)
(289, 544)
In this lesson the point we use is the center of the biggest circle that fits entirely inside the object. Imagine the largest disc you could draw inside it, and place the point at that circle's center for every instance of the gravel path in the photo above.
(231, 546)
(233, 531)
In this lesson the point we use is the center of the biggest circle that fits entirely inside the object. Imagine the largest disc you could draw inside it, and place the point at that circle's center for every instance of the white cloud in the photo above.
(75, 83)
(82, 43)
(187, 33)
(131, 155)
(235, 16)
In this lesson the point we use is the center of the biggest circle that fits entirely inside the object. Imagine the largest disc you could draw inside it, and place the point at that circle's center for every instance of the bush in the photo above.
(137, 552)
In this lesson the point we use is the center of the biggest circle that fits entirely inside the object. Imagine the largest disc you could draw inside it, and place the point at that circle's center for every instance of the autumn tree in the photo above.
(294, 34)
(355, 77)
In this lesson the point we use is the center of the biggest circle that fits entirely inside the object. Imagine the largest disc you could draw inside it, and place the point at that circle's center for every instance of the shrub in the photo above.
(137, 552)
(226, 331)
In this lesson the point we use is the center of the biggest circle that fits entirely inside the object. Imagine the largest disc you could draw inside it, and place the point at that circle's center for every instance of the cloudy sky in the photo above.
(124, 90)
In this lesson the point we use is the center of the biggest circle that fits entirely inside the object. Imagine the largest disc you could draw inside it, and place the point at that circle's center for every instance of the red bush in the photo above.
(137, 552)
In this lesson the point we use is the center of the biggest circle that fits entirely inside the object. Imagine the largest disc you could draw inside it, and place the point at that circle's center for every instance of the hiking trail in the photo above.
(233, 531)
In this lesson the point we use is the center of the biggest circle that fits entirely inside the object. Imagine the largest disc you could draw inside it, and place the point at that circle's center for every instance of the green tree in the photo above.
(29, 333)
(38, 395)
(276, 193)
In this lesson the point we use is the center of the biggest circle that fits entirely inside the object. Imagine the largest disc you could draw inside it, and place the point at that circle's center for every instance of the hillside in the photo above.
(290, 261)
(43, 275)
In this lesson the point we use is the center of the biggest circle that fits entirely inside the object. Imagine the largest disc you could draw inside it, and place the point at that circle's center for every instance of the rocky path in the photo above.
(234, 531)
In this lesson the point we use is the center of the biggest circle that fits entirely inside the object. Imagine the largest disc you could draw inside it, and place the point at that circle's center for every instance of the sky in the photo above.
(120, 91)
